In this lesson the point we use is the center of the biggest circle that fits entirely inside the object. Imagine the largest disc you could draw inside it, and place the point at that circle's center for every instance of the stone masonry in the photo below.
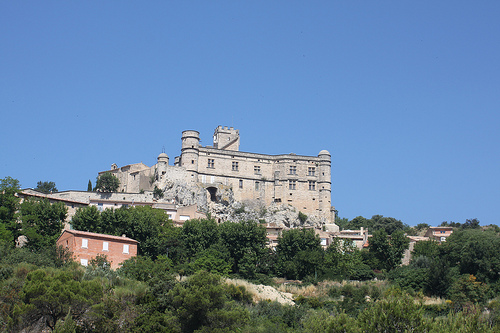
(207, 175)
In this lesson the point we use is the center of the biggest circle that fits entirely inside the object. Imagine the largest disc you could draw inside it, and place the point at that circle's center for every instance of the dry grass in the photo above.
(322, 288)
(261, 292)
(433, 300)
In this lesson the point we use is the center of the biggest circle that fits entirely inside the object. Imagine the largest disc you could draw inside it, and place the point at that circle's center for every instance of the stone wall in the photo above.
(303, 182)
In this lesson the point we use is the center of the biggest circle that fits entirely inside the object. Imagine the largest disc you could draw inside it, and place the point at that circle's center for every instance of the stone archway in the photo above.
(213, 193)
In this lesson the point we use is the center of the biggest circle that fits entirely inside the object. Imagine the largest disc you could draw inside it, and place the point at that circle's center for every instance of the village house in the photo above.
(358, 237)
(273, 232)
(87, 245)
(78, 199)
(439, 234)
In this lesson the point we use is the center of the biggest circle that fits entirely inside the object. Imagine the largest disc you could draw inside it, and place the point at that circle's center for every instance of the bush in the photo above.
(408, 277)
(362, 272)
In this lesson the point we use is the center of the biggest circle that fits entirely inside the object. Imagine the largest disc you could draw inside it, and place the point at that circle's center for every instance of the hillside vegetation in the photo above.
(209, 277)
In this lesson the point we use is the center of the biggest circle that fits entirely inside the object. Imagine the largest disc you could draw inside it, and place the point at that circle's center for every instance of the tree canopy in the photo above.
(299, 253)
(42, 222)
(46, 187)
(9, 205)
(388, 250)
(107, 182)
(376, 222)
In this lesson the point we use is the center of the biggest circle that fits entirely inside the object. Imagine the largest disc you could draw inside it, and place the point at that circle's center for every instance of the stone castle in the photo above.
(222, 170)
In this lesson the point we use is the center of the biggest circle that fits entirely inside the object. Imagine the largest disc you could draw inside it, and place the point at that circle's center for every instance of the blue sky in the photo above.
(404, 94)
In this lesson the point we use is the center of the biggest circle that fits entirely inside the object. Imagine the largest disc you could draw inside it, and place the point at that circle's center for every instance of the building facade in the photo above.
(80, 199)
(439, 234)
(304, 182)
(87, 245)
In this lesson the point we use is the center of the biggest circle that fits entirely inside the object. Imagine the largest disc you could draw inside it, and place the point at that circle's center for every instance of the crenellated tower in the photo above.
(226, 138)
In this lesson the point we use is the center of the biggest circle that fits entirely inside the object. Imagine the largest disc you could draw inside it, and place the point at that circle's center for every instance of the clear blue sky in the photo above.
(404, 94)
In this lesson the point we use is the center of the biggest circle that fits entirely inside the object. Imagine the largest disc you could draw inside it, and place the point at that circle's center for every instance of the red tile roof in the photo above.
(93, 234)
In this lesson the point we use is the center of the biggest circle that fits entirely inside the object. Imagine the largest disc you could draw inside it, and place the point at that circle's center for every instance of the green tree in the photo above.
(388, 250)
(467, 290)
(107, 182)
(87, 219)
(67, 325)
(213, 261)
(150, 227)
(199, 235)
(48, 296)
(46, 187)
(377, 222)
(427, 248)
(42, 222)
(422, 226)
(202, 303)
(440, 277)
(302, 217)
(5, 234)
(342, 222)
(157, 192)
(397, 312)
(299, 253)
(246, 242)
(89, 186)
(358, 222)
(475, 252)
(388, 224)
(343, 260)
(471, 224)
(9, 205)
(146, 225)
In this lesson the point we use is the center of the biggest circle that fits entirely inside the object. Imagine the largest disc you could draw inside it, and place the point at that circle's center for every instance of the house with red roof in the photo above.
(87, 245)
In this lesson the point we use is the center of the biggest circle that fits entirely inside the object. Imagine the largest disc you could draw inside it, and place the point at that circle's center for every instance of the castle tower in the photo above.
(190, 152)
(324, 183)
(161, 166)
(226, 138)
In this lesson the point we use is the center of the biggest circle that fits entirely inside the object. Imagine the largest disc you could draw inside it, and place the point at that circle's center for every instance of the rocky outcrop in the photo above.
(279, 214)
(218, 201)
(184, 194)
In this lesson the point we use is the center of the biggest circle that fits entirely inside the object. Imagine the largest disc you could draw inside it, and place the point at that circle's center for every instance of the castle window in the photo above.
(257, 186)
(234, 166)
(85, 243)
(293, 169)
(312, 185)
(192, 161)
(277, 200)
(105, 246)
(292, 184)
(241, 183)
(256, 170)
(125, 248)
(311, 171)
(211, 163)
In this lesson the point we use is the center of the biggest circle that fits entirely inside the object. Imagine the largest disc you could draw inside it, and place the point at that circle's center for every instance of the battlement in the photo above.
(226, 138)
